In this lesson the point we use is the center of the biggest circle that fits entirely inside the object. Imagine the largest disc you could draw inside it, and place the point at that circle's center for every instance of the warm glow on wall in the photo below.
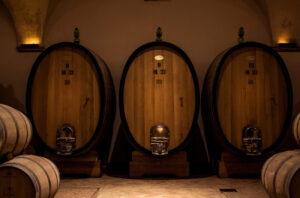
(29, 19)
(32, 40)
(283, 39)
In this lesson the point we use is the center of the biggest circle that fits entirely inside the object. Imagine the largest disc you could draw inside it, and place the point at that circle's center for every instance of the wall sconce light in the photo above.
(284, 40)
(285, 44)
(29, 18)
(30, 44)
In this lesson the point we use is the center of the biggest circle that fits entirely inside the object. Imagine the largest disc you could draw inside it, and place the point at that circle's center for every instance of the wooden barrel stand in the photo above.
(143, 164)
(86, 165)
(232, 165)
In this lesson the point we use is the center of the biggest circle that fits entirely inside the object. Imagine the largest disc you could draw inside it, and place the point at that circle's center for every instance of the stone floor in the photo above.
(206, 187)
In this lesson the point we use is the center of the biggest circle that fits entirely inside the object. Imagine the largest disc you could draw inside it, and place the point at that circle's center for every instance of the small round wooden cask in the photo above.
(296, 129)
(70, 87)
(29, 176)
(15, 131)
(247, 88)
(281, 175)
(159, 85)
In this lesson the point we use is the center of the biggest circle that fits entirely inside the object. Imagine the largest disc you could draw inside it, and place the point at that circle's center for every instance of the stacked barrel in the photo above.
(15, 131)
(28, 175)
(281, 173)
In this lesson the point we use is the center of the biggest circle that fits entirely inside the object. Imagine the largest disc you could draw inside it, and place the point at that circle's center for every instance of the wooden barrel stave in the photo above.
(143, 103)
(296, 129)
(16, 131)
(108, 108)
(230, 102)
(2, 135)
(41, 177)
(87, 102)
(280, 174)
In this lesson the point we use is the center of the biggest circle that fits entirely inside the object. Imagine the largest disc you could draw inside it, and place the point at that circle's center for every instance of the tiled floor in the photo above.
(113, 187)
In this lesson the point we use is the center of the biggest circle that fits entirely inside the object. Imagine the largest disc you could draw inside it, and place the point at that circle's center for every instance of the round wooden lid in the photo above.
(15, 183)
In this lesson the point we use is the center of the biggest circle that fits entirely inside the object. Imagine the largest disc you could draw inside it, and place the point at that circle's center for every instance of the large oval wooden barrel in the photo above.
(247, 99)
(15, 131)
(296, 129)
(281, 175)
(70, 97)
(159, 85)
(29, 176)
